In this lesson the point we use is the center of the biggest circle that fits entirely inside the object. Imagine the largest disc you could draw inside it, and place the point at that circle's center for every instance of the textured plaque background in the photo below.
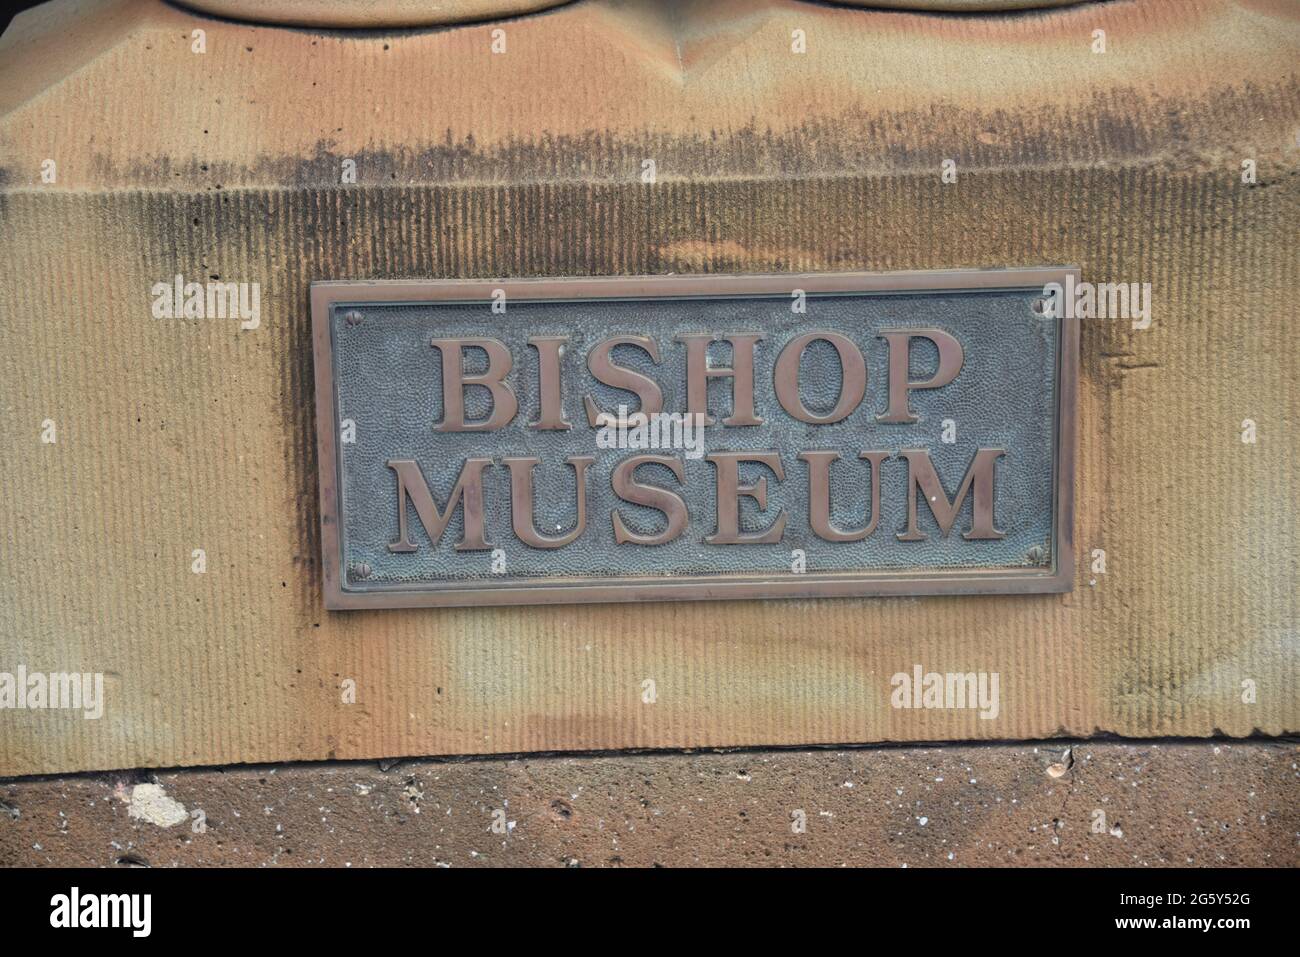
(389, 382)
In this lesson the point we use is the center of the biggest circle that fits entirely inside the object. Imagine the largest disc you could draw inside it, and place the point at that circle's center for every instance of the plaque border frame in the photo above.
(338, 595)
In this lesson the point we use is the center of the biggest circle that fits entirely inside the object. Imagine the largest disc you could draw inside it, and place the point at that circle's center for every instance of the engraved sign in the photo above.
(578, 440)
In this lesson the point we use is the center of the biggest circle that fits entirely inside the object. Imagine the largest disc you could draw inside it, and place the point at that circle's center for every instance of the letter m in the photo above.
(468, 493)
(922, 477)
(223, 300)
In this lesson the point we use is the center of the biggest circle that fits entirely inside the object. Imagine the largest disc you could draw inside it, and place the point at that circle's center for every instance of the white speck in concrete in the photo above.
(149, 802)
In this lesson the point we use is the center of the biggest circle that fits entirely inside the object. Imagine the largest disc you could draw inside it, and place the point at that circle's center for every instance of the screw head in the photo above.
(352, 318)
(358, 571)
(1036, 554)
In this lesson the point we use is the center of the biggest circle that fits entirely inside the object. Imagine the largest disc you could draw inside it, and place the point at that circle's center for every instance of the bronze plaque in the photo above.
(646, 438)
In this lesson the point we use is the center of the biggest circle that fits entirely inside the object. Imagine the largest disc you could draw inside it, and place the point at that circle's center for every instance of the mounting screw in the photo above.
(1039, 306)
(1036, 554)
(358, 571)
(352, 318)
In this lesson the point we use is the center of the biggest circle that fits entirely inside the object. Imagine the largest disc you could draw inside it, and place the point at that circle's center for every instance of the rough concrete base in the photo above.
(1164, 804)
(182, 435)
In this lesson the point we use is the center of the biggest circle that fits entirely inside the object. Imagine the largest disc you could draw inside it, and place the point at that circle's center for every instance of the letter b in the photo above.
(454, 380)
